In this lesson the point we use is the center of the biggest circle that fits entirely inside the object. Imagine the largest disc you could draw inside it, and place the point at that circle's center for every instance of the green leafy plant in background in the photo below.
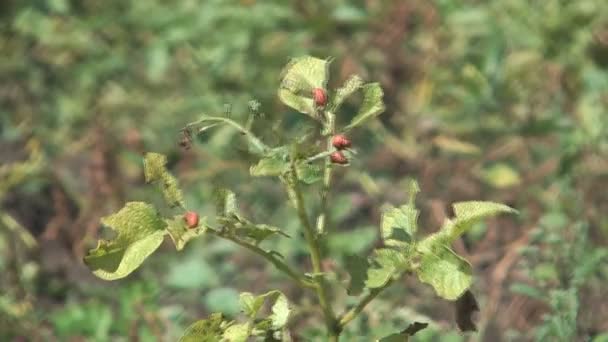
(304, 168)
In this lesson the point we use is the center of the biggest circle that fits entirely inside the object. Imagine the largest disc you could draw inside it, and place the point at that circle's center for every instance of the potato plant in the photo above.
(301, 167)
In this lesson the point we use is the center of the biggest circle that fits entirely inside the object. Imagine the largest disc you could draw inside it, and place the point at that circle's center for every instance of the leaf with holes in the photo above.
(372, 106)
(299, 78)
(155, 171)
(139, 232)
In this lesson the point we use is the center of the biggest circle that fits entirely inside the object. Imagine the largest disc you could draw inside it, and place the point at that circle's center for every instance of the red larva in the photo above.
(338, 158)
(340, 142)
(319, 96)
(191, 219)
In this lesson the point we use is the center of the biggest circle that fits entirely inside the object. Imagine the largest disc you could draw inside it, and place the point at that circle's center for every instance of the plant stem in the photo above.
(323, 217)
(352, 313)
(255, 141)
(279, 264)
(315, 257)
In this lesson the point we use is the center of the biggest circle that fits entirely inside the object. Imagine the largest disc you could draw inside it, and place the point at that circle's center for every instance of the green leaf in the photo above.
(208, 330)
(139, 232)
(469, 213)
(501, 176)
(280, 312)
(225, 201)
(309, 173)
(154, 166)
(391, 263)
(251, 304)
(372, 105)
(275, 163)
(237, 332)
(299, 78)
(260, 232)
(155, 171)
(356, 266)
(399, 225)
(404, 335)
(180, 233)
(352, 84)
(449, 274)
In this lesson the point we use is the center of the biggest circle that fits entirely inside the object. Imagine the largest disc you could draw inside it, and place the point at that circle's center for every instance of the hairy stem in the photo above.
(278, 263)
(315, 257)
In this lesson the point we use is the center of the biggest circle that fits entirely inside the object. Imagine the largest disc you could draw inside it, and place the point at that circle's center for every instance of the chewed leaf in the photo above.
(155, 171)
(139, 232)
(206, 330)
(299, 78)
(449, 274)
(180, 234)
(352, 84)
(372, 106)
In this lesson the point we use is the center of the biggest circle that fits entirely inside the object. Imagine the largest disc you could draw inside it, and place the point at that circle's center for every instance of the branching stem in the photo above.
(278, 263)
(315, 257)
(352, 313)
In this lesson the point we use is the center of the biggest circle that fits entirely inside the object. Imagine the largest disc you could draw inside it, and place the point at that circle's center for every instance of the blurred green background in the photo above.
(504, 101)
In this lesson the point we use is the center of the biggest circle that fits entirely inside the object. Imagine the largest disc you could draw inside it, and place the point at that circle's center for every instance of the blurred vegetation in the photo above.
(498, 100)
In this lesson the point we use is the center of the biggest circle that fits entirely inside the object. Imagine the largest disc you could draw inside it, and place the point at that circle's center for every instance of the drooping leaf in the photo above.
(237, 332)
(469, 213)
(404, 335)
(399, 225)
(372, 106)
(180, 233)
(449, 274)
(155, 171)
(465, 307)
(139, 232)
(356, 266)
(352, 84)
(299, 78)
(206, 330)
